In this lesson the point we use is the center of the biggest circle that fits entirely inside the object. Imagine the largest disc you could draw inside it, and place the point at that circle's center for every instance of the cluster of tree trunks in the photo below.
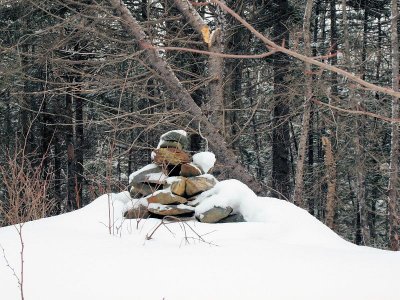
(99, 79)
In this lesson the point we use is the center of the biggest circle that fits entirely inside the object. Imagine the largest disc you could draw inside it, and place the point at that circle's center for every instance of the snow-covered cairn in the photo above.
(171, 184)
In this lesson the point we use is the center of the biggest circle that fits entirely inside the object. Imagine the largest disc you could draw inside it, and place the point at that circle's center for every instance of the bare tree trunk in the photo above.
(215, 64)
(183, 99)
(362, 230)
(331, 202)
(394, 243)
(299, 179)
(360, 156)
(233, 86)
(334, 46)
(57, 171)
(280, 132)
(79, 143)
(69, 141)
(311, 135)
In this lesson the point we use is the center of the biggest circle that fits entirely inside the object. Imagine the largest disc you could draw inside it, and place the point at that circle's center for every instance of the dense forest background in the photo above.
(87, 87)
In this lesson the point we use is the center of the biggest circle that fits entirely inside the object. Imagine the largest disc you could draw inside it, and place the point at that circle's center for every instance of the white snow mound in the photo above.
(281, 246)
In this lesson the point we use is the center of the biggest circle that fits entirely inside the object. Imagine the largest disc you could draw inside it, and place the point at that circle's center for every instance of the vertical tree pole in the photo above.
(280, 131)
(394, 243)
(362, 229)
(330, 165)
(69, 141)
(215, 63)
(299, 180)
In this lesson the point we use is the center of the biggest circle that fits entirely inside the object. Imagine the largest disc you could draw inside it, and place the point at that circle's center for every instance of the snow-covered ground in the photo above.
(282, 253)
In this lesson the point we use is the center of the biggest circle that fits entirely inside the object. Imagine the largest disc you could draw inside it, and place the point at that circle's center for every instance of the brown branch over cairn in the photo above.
(183, 98)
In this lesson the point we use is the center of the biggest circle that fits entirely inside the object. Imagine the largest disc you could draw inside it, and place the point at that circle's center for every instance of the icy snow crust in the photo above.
(281, 253)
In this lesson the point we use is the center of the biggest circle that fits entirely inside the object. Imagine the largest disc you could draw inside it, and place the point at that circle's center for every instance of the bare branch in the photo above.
(272, 46)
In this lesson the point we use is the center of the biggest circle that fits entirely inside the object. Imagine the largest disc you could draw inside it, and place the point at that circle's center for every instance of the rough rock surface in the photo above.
(143, 189)
(215, 214)
(174, 180)
(166, 198)
(171, 210)
(196, 185)
(175, 136)
(170, 156)
(190, 170)
(170, 144)
(234, 218)
(149, 172)
(139, 212)
(178, 187)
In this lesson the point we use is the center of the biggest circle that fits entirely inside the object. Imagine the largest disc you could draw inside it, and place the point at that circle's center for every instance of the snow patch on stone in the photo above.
(145, 168)
(205, 160)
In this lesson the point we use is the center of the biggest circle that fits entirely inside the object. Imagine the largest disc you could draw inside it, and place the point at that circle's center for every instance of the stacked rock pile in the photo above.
(170, 184)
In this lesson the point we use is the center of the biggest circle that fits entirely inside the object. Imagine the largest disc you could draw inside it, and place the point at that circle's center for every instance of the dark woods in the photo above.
(84, 97)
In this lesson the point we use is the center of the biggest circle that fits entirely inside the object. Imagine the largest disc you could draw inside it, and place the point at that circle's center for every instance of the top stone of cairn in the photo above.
(174, 139)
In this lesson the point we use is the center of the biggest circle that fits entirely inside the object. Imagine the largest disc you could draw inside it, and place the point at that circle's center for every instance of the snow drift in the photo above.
(280, 253)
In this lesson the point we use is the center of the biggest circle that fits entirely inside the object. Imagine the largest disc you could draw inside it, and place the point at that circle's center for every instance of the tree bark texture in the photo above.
(280, 132)
(299, 179)
(69, 141)
(183, 99)
(394, 242)
(215, 64)
(330, 165)
(362, 229)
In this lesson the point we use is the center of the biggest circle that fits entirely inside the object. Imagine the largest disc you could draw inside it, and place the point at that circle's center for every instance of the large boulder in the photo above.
(197, 185)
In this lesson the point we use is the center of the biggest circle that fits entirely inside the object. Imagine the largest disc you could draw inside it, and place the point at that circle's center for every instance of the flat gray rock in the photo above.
(215, 214)
(170, 210)
(140, 189)
(234, 218)
(151, 173)
(139, 212)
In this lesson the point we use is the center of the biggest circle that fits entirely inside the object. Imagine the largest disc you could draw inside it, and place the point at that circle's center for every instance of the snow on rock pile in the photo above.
(205, 160)
(172, 180)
